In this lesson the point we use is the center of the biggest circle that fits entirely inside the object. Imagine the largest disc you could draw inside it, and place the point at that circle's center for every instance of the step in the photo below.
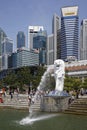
(78, 108)
(75, 113)
(78, 105)
(80, 102)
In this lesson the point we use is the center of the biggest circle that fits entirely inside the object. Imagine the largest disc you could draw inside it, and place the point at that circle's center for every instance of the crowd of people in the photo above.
(75, 94)
(10, 91)
(38, 94)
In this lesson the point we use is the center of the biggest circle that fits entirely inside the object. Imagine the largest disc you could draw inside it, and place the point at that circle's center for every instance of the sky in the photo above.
(17, 15)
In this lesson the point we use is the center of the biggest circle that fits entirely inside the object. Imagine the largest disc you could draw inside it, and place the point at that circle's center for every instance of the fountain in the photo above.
(42, 84)
(56, 100)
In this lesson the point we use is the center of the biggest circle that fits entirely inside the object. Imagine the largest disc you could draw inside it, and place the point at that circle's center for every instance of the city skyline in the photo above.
(19, 14)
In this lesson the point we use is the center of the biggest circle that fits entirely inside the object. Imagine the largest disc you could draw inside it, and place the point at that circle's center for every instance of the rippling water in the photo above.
(21, 120)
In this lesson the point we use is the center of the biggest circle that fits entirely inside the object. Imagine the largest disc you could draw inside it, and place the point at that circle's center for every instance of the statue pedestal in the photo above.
(54, 103)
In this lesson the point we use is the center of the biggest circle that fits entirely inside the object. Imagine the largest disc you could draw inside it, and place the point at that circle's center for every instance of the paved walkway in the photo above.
(84, 96)
(18, 101)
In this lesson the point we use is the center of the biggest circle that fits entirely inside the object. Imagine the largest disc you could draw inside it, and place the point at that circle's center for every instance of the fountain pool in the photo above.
(10, 120)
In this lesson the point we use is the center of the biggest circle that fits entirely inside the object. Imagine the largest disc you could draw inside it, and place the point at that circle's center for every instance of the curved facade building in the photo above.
(69, 33)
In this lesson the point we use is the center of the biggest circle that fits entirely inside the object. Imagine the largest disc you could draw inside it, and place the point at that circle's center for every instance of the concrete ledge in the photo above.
(16, 108)
(54, 103)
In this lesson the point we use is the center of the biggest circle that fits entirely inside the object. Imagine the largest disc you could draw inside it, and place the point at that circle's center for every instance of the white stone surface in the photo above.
(59, 73)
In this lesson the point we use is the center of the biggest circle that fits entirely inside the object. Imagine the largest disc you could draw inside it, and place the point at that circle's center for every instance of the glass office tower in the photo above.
(40, 43)
(32, 31)
(50, 49)
(69, 33)
(56, 36)
(83, 40)
(7, 49)
(20, 39)
(2, 36)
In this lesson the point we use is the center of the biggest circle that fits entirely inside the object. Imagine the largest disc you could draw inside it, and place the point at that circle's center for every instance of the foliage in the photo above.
(23, 76)
(72, 83)
(84, 84)
(31, 76)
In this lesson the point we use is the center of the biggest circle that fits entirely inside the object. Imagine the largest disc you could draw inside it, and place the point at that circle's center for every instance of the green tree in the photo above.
(10, 79)
(84, 84)
(72, 83)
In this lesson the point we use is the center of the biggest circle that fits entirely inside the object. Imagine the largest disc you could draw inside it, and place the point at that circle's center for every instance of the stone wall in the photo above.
(54, 103)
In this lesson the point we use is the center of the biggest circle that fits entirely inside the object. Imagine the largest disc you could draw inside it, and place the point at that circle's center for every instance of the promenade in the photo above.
(19, 102)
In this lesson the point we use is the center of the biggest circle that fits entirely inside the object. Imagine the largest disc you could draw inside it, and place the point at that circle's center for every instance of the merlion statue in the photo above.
(59, 74)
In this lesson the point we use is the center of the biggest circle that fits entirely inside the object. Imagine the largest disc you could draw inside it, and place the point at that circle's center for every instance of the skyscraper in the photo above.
(20, 39)
(7, 49)
(40, 40)
(56, 33)
(32, 31)
(2, 36)
(83, 40)
(40, 43)
(50, 49)
(69, 33)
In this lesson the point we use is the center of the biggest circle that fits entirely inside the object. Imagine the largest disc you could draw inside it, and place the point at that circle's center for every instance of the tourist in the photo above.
(10, 93)
(29, 100)
(1, 100)
(3, 91)
(70, 100)
(82, 91)
(77, 94)
(29, 90)
(16, 92)
(86, 91)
